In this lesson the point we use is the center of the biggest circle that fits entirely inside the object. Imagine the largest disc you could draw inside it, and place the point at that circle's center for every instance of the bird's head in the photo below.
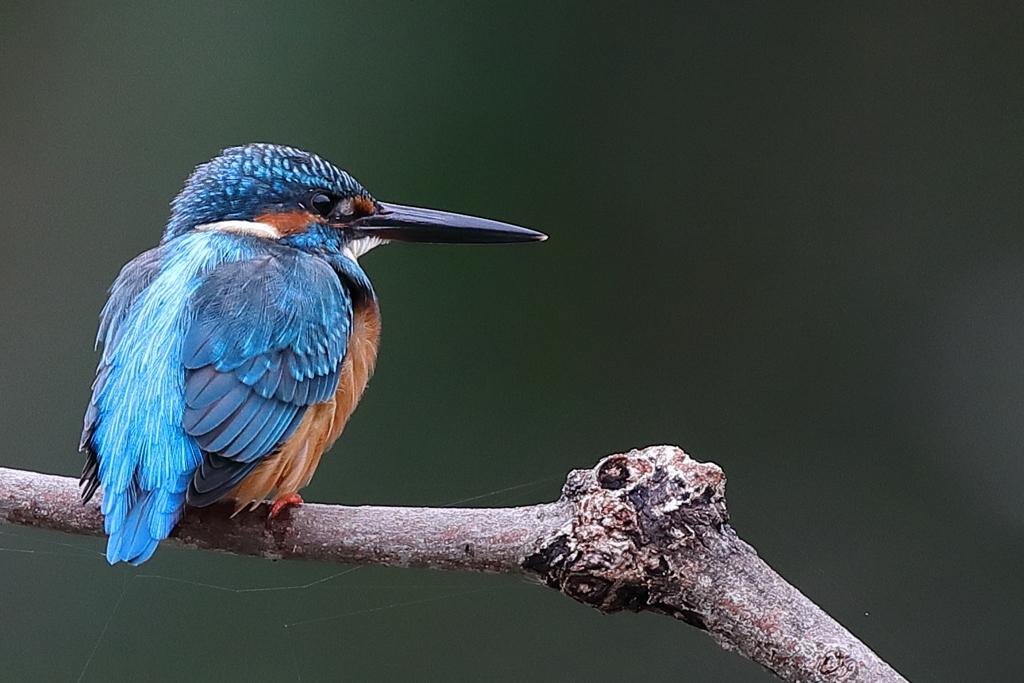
(287, 195)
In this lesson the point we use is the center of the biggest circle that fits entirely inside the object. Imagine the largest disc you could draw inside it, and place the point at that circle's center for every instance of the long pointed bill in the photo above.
(412, 224)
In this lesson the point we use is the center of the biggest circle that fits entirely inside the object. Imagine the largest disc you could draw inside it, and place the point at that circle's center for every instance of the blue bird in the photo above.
(236, 350)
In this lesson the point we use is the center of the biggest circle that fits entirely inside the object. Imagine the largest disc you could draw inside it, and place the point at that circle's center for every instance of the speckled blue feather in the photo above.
(244, 181)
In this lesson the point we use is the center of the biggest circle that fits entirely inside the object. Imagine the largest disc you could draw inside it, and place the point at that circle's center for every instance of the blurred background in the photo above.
(788, 237)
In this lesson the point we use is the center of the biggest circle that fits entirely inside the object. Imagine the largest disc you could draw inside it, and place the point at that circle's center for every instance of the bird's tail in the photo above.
(148, 522)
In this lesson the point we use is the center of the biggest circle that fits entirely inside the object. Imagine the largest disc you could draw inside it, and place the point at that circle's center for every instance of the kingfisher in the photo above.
(236, 350)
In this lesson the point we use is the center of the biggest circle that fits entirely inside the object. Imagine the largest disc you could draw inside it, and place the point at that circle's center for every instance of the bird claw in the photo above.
(283, 502)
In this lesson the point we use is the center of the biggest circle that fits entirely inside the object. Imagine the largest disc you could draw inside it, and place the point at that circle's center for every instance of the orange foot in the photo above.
(283, 502)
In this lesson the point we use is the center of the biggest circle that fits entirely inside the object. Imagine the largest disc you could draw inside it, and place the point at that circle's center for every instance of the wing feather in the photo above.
(266, 341)
(221, 437)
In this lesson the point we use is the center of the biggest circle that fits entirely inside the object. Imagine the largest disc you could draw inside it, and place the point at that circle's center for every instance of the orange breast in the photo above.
(292, 465)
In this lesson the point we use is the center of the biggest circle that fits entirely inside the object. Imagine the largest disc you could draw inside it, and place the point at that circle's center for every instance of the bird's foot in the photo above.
(283, 502)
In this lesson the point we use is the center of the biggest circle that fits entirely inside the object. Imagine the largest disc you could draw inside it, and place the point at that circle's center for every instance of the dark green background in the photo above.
(785, 236)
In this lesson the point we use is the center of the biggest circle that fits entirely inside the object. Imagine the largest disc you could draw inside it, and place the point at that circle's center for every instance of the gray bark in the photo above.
(642, 531)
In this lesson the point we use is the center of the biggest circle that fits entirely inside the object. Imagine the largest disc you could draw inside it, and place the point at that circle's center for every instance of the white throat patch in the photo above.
(357, 248)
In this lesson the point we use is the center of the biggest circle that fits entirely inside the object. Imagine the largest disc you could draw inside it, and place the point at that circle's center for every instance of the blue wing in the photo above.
(267, 341)
(262, 331)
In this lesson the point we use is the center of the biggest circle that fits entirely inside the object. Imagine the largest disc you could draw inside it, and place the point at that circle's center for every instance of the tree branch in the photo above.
(643, 531)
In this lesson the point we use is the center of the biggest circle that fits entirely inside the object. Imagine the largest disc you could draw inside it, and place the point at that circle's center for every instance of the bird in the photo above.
(234, 352)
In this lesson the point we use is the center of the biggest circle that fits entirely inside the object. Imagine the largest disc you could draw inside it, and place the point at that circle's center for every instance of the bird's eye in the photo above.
(322, 203)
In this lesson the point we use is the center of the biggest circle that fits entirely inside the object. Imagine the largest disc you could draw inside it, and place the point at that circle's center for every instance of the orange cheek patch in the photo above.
(363, 206)
(289, 222)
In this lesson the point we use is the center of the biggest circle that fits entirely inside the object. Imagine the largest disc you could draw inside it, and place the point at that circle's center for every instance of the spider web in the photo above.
(135, 601)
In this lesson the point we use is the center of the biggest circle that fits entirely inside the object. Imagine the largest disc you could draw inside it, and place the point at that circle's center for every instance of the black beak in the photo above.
(412, 224)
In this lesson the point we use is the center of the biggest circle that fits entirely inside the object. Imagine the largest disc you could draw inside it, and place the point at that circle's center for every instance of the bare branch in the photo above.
(643, 531)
